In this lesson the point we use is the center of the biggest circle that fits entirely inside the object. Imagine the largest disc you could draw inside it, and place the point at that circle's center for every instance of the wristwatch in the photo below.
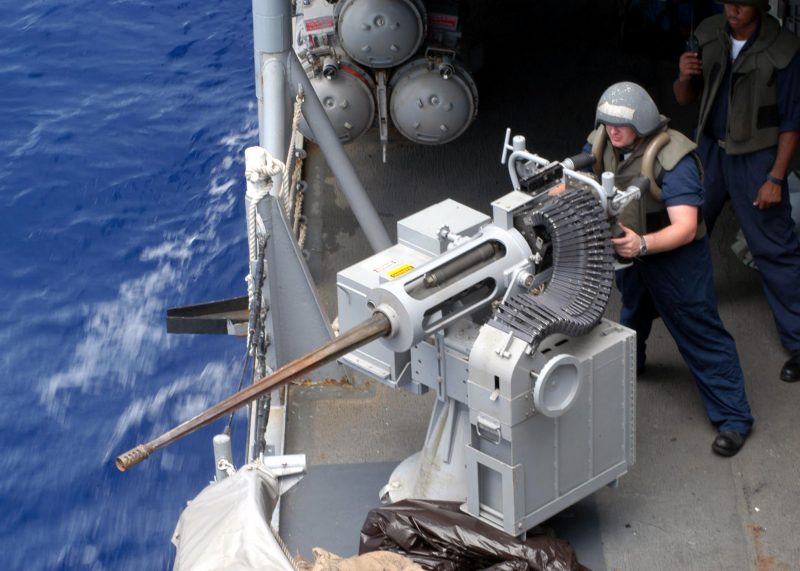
(642, 246)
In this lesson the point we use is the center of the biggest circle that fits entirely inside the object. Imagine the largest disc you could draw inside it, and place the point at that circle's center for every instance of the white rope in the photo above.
(297, 171)
(263, 173)
(251, 291)
(298, 214)
(301, 237)
(297, 194)
(286, 192)
(284, 548)
(259, 178)
(252, 226)
(225, 465)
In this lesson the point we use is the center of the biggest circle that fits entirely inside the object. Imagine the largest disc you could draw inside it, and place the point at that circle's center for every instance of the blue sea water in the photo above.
(123, 129)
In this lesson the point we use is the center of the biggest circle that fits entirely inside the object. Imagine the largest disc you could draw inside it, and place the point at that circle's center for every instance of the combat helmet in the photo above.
(627, 104)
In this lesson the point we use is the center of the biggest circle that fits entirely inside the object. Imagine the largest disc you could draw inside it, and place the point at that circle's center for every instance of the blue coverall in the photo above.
(770, 232)
(678, 286)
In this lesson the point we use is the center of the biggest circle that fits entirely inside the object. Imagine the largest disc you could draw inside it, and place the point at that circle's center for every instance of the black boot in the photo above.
(728, 443)
(791, 368)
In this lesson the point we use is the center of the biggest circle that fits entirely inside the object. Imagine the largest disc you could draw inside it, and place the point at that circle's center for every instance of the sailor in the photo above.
(747, 72)
(671, 274)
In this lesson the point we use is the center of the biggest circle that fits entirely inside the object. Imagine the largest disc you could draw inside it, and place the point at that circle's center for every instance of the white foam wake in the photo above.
(123, 338)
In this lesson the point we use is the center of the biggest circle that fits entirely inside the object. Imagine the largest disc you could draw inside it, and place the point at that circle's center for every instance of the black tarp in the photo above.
(440, 537)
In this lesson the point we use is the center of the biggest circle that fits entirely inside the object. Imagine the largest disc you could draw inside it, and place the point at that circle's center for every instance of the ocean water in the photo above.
(123, 125)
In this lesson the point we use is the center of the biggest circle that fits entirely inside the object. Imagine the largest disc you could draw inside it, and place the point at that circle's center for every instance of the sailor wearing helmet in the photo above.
(671, 274)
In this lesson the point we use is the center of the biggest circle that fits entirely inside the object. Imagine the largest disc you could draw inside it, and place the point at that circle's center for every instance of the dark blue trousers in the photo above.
(769, 233)
(679, 287)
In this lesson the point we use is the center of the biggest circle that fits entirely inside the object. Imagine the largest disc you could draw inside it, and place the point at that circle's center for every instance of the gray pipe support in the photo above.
(223, 452)
(338, 161)
(272, 26)
(272, 41)
(273, 124)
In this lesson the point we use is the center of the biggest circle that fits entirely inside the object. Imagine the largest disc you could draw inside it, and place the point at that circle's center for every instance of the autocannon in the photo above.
(502, 317)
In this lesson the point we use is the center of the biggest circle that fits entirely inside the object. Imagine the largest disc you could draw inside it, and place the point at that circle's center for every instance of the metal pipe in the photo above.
(376, 326)
(273, 125)
(223, 454)
(272, 26)
(466, 261)
(579, 162)
(338, 161)
(599, 192)
(272, 41)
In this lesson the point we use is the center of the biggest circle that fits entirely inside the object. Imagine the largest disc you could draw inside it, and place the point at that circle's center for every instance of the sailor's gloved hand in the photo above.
(627, 245)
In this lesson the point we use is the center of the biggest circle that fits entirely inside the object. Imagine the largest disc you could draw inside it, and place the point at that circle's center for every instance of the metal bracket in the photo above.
(488, 429)
(503, 348)
(224, 317)
(441, 391)
(383, 109)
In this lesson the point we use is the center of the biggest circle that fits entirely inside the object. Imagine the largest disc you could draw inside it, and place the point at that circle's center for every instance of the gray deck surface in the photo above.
(680, 507)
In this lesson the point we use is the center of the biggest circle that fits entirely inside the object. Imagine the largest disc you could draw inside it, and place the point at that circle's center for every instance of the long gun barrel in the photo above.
(368, 330)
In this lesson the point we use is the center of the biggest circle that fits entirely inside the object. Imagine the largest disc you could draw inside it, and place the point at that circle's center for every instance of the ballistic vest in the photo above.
(753, 121)
(667, 148)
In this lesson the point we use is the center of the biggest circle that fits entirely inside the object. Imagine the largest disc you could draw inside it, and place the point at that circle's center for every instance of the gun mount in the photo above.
(502, 318)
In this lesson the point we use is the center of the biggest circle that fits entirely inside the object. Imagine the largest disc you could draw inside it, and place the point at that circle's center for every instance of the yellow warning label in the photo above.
(400, 270)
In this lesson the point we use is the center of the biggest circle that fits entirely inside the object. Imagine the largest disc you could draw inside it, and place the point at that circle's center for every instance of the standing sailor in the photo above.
(748, 74)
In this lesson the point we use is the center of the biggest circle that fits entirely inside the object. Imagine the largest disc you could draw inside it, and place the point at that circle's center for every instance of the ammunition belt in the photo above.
(577, 294)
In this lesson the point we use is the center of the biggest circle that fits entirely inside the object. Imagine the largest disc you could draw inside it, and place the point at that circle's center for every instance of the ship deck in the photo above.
(680, 506)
